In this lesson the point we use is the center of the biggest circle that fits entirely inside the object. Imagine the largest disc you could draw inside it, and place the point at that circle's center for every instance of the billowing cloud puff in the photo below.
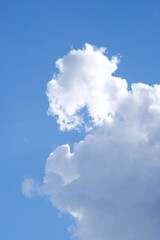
(85, 80)
(110, 183)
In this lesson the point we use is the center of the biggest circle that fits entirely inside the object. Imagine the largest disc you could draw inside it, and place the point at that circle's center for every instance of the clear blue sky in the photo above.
(33, 34)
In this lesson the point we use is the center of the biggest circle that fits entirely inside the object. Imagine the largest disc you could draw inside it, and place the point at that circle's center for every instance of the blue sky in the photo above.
(33, 35)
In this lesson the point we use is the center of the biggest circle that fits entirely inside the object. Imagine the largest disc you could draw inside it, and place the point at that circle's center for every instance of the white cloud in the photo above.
(110, 183)
(61, 163)
(85, 80)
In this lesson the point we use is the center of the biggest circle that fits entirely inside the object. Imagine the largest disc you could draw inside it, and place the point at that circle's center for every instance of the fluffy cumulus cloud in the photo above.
(110, 183)
(85, 81)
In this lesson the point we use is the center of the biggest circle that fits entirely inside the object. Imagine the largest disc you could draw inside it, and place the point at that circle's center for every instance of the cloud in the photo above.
(110, 183)
(85, 80)
(30, 187)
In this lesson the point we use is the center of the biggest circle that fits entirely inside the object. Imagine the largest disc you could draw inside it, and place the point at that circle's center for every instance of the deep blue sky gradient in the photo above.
(33, 34)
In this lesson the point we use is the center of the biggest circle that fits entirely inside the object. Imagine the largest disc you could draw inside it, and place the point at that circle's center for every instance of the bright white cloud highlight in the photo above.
(85, 80)
(110, 183)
